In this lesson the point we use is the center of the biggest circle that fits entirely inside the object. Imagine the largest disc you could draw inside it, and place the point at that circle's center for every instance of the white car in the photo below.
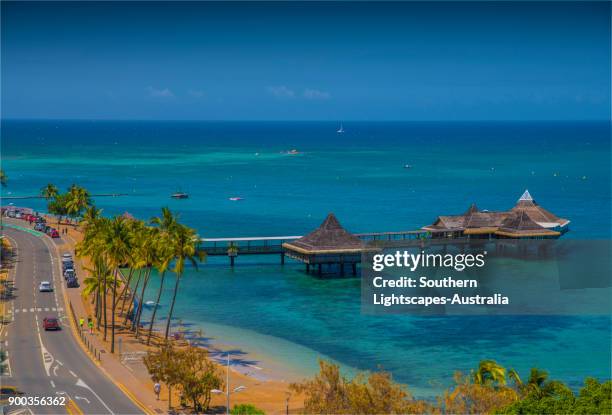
(66, 256)
(45, 286)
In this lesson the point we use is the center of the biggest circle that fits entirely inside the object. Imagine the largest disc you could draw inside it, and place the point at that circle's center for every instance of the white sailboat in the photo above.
(340, 130)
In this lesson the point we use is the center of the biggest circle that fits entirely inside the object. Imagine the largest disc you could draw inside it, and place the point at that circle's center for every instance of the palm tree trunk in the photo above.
(131, 304)
(141, 302)
(127, 284)
(104, 292)
(176, 285)
(113, 309)
(159, 293)
(98, 298)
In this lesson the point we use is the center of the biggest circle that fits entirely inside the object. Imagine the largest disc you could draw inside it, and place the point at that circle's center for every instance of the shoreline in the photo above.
(268, 392)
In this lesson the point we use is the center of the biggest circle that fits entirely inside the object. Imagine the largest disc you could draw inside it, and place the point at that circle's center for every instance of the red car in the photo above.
(53, 233)
(51, 323)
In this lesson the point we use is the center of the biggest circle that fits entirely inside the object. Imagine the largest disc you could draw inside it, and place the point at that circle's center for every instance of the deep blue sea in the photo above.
(281, 315)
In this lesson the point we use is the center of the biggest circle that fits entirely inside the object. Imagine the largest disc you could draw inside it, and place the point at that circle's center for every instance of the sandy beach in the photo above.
(266, 379)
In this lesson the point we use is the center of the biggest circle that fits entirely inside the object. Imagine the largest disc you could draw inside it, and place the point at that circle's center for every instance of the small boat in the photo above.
(180, 195)
(407, 166)
(341, 129)
(150, 303)
(235, 199)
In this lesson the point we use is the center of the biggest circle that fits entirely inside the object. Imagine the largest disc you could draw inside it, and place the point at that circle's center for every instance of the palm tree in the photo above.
(148, 254)
(92, 245)
(536, 383)
(514, 377)
(78, 199)
(117, 241)
(490, 373)
(49, 191)
(185, 250)
(167, 225)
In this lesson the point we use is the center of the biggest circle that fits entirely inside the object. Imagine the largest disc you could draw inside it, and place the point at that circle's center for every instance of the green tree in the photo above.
(117, 250)
(490, 373)
(165, 365)
(77, 200)
(50, 191)
(198, 376)
(167, 225)
(367, 393)
(185, 248)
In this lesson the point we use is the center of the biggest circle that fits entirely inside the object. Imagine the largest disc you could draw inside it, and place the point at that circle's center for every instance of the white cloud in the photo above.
(196, 93)
(316, 94)
(281, 91)
(159, 93)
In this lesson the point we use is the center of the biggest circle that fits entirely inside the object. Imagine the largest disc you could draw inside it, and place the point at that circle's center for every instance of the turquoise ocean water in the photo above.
(285, 317)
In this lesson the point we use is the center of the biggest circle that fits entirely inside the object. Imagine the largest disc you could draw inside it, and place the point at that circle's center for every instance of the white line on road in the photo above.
(84, 385)
(73, 374)
(52, 383)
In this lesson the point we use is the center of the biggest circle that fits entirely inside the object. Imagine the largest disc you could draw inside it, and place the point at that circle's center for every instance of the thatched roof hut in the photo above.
(526, 219)
(519, 225)
(537, 213)
(473, 221)
(329, 238)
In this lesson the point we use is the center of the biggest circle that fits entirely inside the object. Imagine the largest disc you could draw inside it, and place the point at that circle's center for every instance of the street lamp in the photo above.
(228, 392)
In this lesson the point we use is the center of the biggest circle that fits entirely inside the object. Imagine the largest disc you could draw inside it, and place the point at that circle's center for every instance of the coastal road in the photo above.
(51, 363)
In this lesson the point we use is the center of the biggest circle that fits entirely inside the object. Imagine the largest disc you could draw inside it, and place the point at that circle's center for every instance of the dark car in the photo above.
(72, 282)
(67, 265)
(51, 323)
(69, 273)
(40, 227)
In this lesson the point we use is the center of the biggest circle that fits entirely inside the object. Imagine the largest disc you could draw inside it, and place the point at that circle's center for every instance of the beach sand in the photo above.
(266, 380)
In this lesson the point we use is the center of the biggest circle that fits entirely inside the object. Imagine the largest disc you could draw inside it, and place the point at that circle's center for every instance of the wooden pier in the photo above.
(233, 247)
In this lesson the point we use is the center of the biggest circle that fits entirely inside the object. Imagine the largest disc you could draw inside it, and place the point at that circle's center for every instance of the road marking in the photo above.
(9, 371)
(84, 385)
(55, 370)
(59, 363)
(73, 374)
(25, 310)
(16, 310)
(82, 398)
(31, 310)
(52, 384)
(46, 308)
(46, 356)
(39, 309)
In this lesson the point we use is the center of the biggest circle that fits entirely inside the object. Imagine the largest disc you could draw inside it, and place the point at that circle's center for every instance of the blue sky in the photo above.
(306, 61)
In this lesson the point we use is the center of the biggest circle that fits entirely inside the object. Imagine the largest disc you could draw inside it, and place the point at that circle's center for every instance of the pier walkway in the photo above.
(269, 245)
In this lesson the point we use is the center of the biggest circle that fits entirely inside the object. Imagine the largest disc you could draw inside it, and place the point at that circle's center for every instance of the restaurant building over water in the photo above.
(330, 246)
(526, 220)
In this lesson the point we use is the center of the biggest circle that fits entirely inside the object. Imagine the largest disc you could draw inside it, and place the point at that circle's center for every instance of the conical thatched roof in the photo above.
(472, 209)
(537, 213)
(520, 224)
(329, 237)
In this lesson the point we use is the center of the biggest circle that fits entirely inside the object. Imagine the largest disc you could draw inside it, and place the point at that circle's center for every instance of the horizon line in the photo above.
(609, 120)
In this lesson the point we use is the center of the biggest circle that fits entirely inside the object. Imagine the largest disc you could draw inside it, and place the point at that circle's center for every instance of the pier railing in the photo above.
(266, 245)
